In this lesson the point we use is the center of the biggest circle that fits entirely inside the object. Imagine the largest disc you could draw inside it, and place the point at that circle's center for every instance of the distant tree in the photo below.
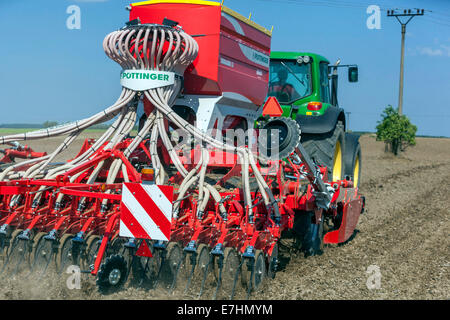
(48, 124)
(396, 131)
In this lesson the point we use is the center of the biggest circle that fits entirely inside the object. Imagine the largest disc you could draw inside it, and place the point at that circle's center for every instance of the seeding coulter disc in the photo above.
(44, 255)
(18, 254)
(273, 262)
(64, 258)
(183, 276)
(36, 240)
(174, 256)
(201, 267)
(253, 273)
(231, 265)
(92, 246)
(260, 270)
(145, 269)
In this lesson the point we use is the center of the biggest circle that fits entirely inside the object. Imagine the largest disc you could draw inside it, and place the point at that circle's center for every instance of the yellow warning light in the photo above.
(148, 171)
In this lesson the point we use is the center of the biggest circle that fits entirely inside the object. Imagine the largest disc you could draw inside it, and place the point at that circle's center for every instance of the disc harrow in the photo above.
(136, 210)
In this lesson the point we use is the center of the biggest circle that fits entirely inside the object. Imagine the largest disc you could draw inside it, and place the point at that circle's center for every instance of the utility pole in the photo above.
(406, 13)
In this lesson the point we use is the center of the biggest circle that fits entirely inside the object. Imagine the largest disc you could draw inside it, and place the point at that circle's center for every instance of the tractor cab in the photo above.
(304, 83)
(306, 86)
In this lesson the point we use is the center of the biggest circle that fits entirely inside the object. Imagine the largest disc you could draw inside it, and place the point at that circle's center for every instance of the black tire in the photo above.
(327, 149)
(352, 159)
(289, 138)
(112, 275)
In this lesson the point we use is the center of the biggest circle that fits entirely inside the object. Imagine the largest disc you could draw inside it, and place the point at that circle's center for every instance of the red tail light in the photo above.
(314, 106)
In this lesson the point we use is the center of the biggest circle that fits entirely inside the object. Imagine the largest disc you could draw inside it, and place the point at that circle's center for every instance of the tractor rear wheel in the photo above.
(327, 149)
(352, 159)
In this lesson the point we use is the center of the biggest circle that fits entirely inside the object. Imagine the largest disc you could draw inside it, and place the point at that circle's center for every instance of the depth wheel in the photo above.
(112, 275)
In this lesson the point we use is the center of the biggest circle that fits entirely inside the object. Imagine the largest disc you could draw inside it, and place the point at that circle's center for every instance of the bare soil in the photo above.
(405, 231)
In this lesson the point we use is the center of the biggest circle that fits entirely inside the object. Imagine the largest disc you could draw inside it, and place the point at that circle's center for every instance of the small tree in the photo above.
(48, 124)
(396, 130)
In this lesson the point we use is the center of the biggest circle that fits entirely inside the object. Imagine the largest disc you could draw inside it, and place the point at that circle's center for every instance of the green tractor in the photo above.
(306, 87)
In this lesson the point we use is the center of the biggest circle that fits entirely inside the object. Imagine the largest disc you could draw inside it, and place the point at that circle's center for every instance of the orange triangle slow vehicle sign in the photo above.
(144, 250)
(272, 108)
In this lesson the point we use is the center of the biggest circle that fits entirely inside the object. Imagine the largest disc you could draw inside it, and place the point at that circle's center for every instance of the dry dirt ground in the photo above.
(405, 232)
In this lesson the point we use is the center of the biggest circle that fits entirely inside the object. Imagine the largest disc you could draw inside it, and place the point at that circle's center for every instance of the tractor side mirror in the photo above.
(353, 74)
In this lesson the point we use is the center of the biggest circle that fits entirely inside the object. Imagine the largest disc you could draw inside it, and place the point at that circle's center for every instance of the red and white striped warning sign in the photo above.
(146, 211)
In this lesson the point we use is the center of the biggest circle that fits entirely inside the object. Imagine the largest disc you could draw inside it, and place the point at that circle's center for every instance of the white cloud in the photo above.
(438, 51)
(446, 49)
(427, 51)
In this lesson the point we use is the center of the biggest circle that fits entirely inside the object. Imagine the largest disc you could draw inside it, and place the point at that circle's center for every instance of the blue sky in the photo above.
(52, 73)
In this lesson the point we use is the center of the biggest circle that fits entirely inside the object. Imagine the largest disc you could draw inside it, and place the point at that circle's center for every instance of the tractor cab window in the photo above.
(289, 81)
(324, 83)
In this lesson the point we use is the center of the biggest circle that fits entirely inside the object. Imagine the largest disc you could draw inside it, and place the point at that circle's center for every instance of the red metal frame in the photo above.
(21, 152)
(36, 208)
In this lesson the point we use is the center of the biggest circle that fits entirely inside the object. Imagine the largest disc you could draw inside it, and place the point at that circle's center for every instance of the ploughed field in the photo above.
(404, 233)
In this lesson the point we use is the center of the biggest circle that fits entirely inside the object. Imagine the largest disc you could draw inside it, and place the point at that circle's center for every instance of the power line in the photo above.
(438, 22)
(437, 18)
(441, 14)
(328, 3)
(373, 114)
